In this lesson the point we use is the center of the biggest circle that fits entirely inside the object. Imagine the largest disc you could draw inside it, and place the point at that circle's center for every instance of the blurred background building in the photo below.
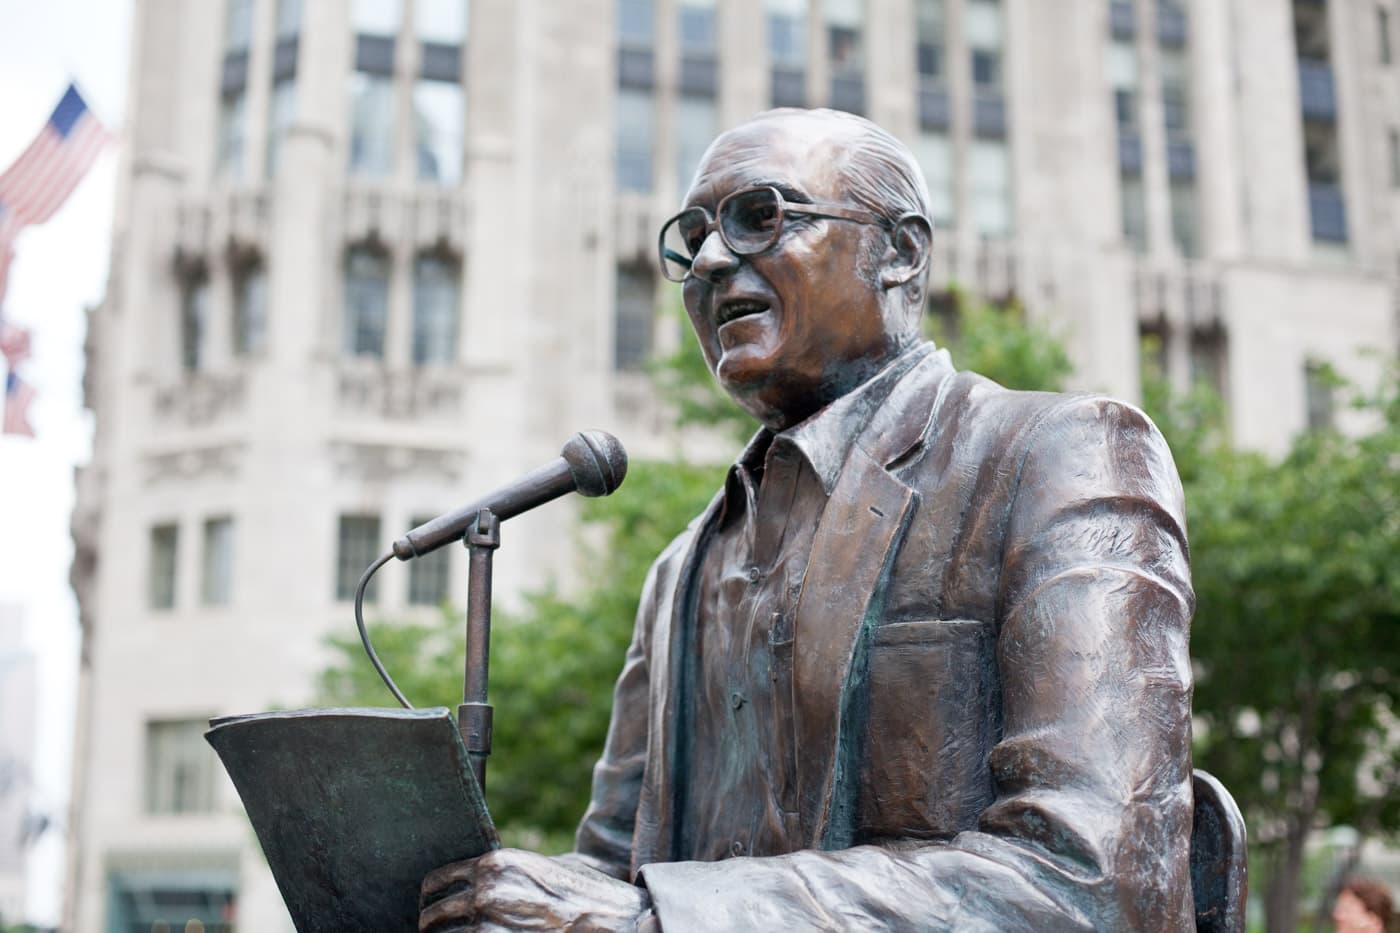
(371, 256)
(17, 826)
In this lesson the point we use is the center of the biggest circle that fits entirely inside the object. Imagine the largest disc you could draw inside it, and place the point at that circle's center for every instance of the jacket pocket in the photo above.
(932, 712)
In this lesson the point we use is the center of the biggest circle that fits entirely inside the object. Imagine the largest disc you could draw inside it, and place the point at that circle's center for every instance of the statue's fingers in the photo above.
(447, 879)
(452, 914)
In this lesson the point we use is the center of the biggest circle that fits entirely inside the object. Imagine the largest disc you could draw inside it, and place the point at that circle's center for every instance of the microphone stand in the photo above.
(474, 715)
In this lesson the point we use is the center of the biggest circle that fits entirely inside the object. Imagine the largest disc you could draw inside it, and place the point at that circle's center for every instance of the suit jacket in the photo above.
(991, 685)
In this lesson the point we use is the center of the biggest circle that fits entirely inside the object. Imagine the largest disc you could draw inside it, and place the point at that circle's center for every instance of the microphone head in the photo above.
(597, 462)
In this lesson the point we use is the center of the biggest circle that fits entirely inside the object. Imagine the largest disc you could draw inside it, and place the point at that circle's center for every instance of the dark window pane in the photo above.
(634, 319)
(438, 130)
(164, 544)
(435, 300)
(697, 29)
(358, 545)
(371, 124)
(636, 23)
(249, 309)
(635, 122)
(194, 321)
(429, 575)
(366, 302)
(216, 584)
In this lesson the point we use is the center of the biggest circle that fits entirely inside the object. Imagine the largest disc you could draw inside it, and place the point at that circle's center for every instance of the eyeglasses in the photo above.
(750, 220)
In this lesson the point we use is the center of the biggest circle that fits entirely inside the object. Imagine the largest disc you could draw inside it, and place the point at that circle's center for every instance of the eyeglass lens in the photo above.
(749, 223)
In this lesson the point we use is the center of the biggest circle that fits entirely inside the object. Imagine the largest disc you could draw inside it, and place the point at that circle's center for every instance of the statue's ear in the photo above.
(910, 242)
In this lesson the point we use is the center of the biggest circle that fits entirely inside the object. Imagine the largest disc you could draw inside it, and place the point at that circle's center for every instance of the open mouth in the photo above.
(733, 310)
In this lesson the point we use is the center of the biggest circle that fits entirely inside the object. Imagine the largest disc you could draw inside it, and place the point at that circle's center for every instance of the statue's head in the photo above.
(802, 249)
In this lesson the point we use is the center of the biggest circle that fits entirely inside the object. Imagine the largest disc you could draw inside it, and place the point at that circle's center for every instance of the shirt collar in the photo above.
(826, 437)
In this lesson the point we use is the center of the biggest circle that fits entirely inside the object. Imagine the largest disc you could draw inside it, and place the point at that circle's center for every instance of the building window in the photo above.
(991, 188)
(1185, 222)
(1383, 34)
(845, 50)
(357, 546)
(634, 318)
(443, 22)
(697, 123)
(984, 42)
(931, 41)
(288, 19)
(249, 308)
(238, 25)
(787, 52)
(438, 120)
(636, 22)
(635, 129)
(372, 124)
(1208, 359)
(376, 17)
(366, 301)
(1393, 138)
(179, 767)
(216, 586)
(429, 575)
(194, 321)
(230, 144)
(1134, 211)
(165, 541)
(435, 300)
(1176, 112)
(697, 27)
(174, 898)
(935, 155)
(1320, 386)
(282, 109)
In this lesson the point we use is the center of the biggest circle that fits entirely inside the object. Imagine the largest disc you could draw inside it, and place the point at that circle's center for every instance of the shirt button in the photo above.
(736, 848)
(754, 575)
(736, 699)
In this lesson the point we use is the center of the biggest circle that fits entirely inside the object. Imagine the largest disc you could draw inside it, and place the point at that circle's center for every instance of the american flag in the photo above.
(14, 343)
(43, 176)
(18, 395)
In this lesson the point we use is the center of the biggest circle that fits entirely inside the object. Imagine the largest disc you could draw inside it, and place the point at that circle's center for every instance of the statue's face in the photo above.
(796, 326)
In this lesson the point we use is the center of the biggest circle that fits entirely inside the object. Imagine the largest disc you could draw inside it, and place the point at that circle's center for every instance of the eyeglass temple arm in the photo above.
(677, 257)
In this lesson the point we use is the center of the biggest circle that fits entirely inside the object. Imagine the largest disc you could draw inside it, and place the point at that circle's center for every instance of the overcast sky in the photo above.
(60, 269)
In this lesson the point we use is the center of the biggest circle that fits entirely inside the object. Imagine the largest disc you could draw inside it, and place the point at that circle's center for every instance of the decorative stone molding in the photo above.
(426, 394)
(199, 399)
(374, 213)
(1183, 296)
(439, 220)
(218, 461)
(635, 228)
(374, 462)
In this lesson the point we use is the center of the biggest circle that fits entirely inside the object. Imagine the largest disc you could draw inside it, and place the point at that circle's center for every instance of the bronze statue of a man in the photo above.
(922, 664)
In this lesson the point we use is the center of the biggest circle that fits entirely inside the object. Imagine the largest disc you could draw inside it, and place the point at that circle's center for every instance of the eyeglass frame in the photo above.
(712, 223)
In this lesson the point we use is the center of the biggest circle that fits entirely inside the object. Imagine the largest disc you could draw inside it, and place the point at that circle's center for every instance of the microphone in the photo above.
(592, 463)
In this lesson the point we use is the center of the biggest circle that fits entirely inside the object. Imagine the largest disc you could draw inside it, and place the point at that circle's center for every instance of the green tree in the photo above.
(554, 661)
(1296, 565)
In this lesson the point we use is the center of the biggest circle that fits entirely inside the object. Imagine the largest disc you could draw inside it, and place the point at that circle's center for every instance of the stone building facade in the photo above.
(373, 256)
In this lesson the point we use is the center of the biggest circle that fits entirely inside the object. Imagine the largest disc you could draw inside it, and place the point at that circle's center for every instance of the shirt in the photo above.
(739, 792)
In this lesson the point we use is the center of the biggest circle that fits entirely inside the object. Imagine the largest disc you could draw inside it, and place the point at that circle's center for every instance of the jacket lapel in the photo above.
(863, 520)
(842, 599)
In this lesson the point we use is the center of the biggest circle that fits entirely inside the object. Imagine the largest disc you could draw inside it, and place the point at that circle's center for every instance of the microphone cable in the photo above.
(364, 632)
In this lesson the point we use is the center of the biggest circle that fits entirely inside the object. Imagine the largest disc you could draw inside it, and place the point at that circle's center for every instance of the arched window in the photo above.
(635, 317)
(436, 280)
(366, 301)
(194, 320)
(249, 307)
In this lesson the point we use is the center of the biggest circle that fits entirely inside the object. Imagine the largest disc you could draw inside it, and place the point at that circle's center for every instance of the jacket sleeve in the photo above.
(1091, 821)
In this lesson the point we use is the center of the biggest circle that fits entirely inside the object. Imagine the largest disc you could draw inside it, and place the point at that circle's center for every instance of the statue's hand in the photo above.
(510, 889)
